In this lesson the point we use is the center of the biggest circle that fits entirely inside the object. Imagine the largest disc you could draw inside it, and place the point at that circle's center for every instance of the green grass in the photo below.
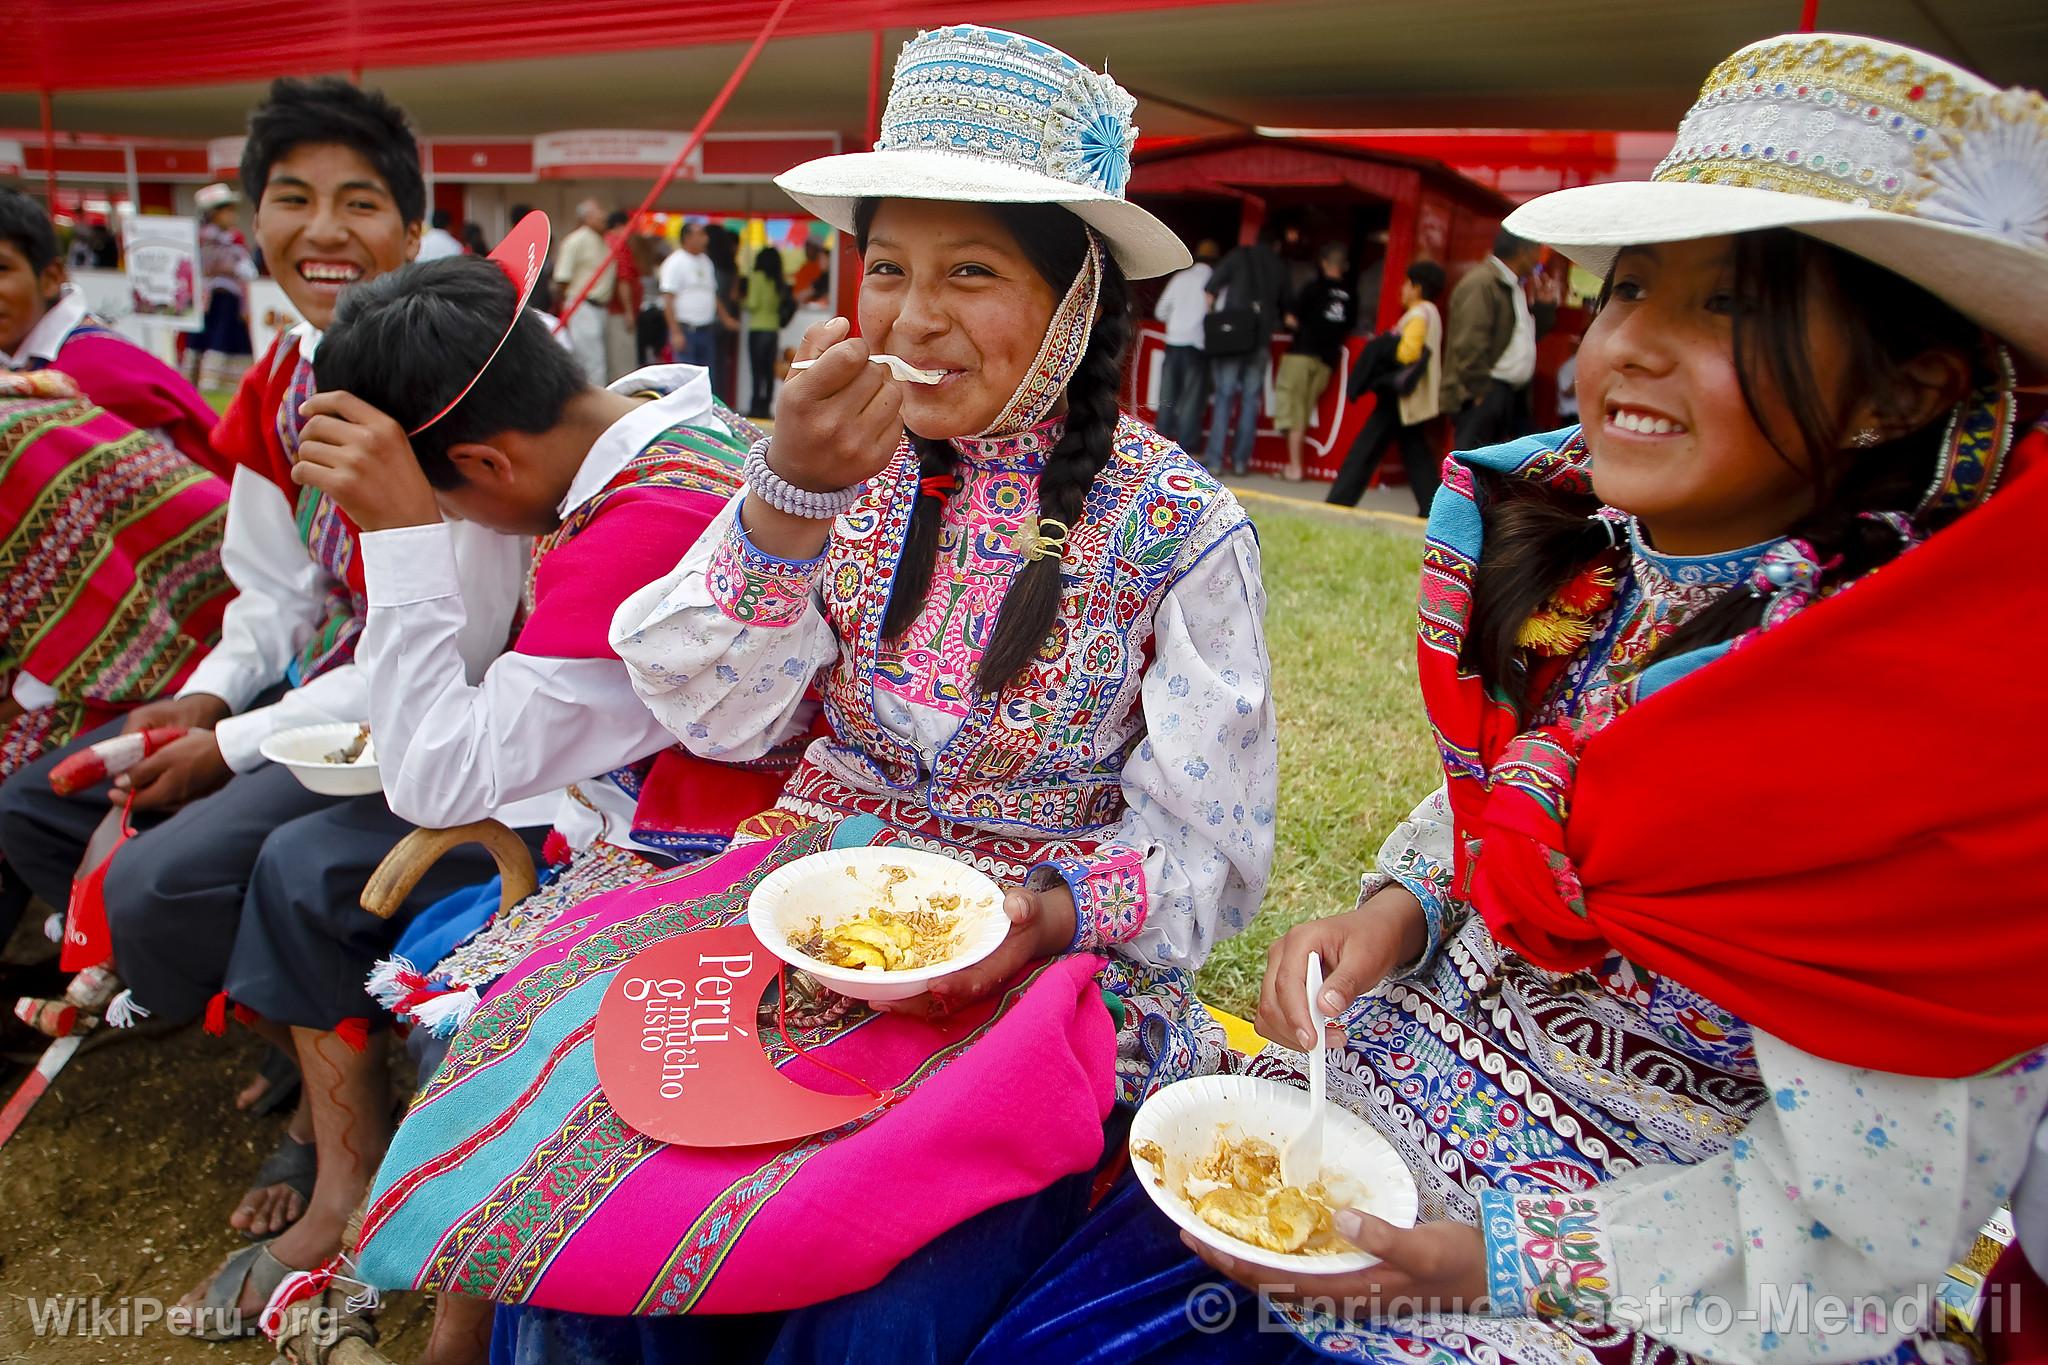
(1355, 753)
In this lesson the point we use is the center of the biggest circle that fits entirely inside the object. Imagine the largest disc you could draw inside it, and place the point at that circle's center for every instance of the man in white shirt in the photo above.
(438, 241)
(1182, 381)
(586, 255)
(335, 175)
(689, 295)
(620, 485)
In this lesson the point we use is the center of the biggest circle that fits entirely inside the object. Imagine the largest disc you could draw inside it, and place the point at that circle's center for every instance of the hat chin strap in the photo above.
(1059, 356)
(1979, 436)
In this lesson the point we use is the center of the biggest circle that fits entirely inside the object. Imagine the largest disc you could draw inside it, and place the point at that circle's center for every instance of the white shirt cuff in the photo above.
(33, 694)
(241, 738)
(409, 564)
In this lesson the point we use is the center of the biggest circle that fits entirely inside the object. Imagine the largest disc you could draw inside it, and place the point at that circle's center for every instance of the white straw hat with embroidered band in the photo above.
(983, 116)
(1897, 156)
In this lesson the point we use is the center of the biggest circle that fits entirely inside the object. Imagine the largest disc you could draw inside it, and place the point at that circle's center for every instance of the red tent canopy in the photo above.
(58, 45)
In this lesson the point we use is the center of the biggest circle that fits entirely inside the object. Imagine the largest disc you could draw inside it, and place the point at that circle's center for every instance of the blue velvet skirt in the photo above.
(1124, 1288)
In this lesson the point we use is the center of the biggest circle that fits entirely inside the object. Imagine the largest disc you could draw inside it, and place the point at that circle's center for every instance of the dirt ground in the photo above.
(118, 1186)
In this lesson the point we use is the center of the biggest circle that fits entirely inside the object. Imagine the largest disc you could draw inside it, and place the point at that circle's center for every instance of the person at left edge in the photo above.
(44, 324)
(335, 176)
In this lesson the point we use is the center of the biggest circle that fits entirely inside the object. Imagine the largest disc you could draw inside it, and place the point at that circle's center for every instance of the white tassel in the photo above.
(53, 927)
(369, 1301)
(384, 986)
(445, 1014)
(124, 1012)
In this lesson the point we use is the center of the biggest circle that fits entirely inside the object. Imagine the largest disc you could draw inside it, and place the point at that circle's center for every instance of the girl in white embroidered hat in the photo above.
(1035, 628)
(1647, 994)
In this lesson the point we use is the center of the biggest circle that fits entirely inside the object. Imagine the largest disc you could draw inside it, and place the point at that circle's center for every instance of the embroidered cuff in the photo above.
(1546, 1255)
(755, 588)
(1430, 883)
(1109, 895)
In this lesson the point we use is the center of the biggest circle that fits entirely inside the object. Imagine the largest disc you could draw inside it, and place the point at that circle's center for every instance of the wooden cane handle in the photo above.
(404, 865)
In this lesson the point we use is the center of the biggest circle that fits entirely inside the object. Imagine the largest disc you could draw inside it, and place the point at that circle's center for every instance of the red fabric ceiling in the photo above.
(62, 45)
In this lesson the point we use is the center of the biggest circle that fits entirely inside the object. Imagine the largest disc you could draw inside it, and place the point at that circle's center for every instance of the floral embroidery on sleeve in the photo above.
(755, 588)
(1546, 1255)
(1109, 896)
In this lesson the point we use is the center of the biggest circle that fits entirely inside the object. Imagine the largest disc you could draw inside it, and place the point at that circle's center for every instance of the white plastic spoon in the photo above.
(898, 366)
(1302, 1162)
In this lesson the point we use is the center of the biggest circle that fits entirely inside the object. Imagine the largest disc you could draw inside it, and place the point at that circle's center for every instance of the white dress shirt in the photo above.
(1183, 305)
(531, 743)
(436, 243)
(281, 599)
(1517, 364)
(692, 282)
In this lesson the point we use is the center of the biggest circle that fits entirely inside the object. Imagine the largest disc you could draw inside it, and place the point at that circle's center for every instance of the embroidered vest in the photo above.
(1046, 752)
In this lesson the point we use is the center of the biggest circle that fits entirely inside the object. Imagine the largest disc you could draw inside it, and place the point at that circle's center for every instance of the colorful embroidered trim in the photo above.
(1973, 450)
(758, 589)
(1059, 356)
(1109, 896)
(1547, 1255)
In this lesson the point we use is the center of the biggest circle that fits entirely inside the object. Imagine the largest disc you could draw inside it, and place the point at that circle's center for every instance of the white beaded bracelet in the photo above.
(784, 496)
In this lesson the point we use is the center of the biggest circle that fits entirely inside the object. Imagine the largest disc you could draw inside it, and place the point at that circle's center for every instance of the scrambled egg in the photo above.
(1237, 1189)
(884, 938)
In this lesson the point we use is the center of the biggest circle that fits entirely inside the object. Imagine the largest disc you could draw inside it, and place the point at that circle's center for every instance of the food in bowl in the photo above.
(357, 751)
(886, 936)
(1237, 1189)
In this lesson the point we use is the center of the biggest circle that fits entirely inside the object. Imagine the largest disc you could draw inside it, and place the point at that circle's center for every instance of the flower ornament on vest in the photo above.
(980, 115)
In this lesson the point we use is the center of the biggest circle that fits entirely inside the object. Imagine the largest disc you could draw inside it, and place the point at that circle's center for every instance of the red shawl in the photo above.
(1839, 831)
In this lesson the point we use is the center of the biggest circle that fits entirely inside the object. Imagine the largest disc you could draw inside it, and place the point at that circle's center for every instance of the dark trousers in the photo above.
(725, 363)
(180, 894)
(700, 347)
(1500, 413)
(305, 944)
(1183, 384)
(1382, 427)
(761, 348)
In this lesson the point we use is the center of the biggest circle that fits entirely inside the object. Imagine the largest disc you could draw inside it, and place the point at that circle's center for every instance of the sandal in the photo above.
(280, 1075)
(291, 1163)
(219, 1316)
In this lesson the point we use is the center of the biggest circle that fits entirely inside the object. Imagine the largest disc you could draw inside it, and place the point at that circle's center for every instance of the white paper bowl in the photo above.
(787, 899)
(1184, 1119)
(305, 751)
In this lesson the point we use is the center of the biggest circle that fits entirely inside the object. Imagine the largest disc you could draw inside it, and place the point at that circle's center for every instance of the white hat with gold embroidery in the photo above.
(1889, 153)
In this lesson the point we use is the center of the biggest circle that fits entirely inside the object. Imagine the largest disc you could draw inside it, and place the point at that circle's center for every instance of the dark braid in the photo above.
(1056, 243)
(1536, 538)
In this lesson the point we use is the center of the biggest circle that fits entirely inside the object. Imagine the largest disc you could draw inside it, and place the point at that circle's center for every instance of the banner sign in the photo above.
(163, 270)
(613, 153)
